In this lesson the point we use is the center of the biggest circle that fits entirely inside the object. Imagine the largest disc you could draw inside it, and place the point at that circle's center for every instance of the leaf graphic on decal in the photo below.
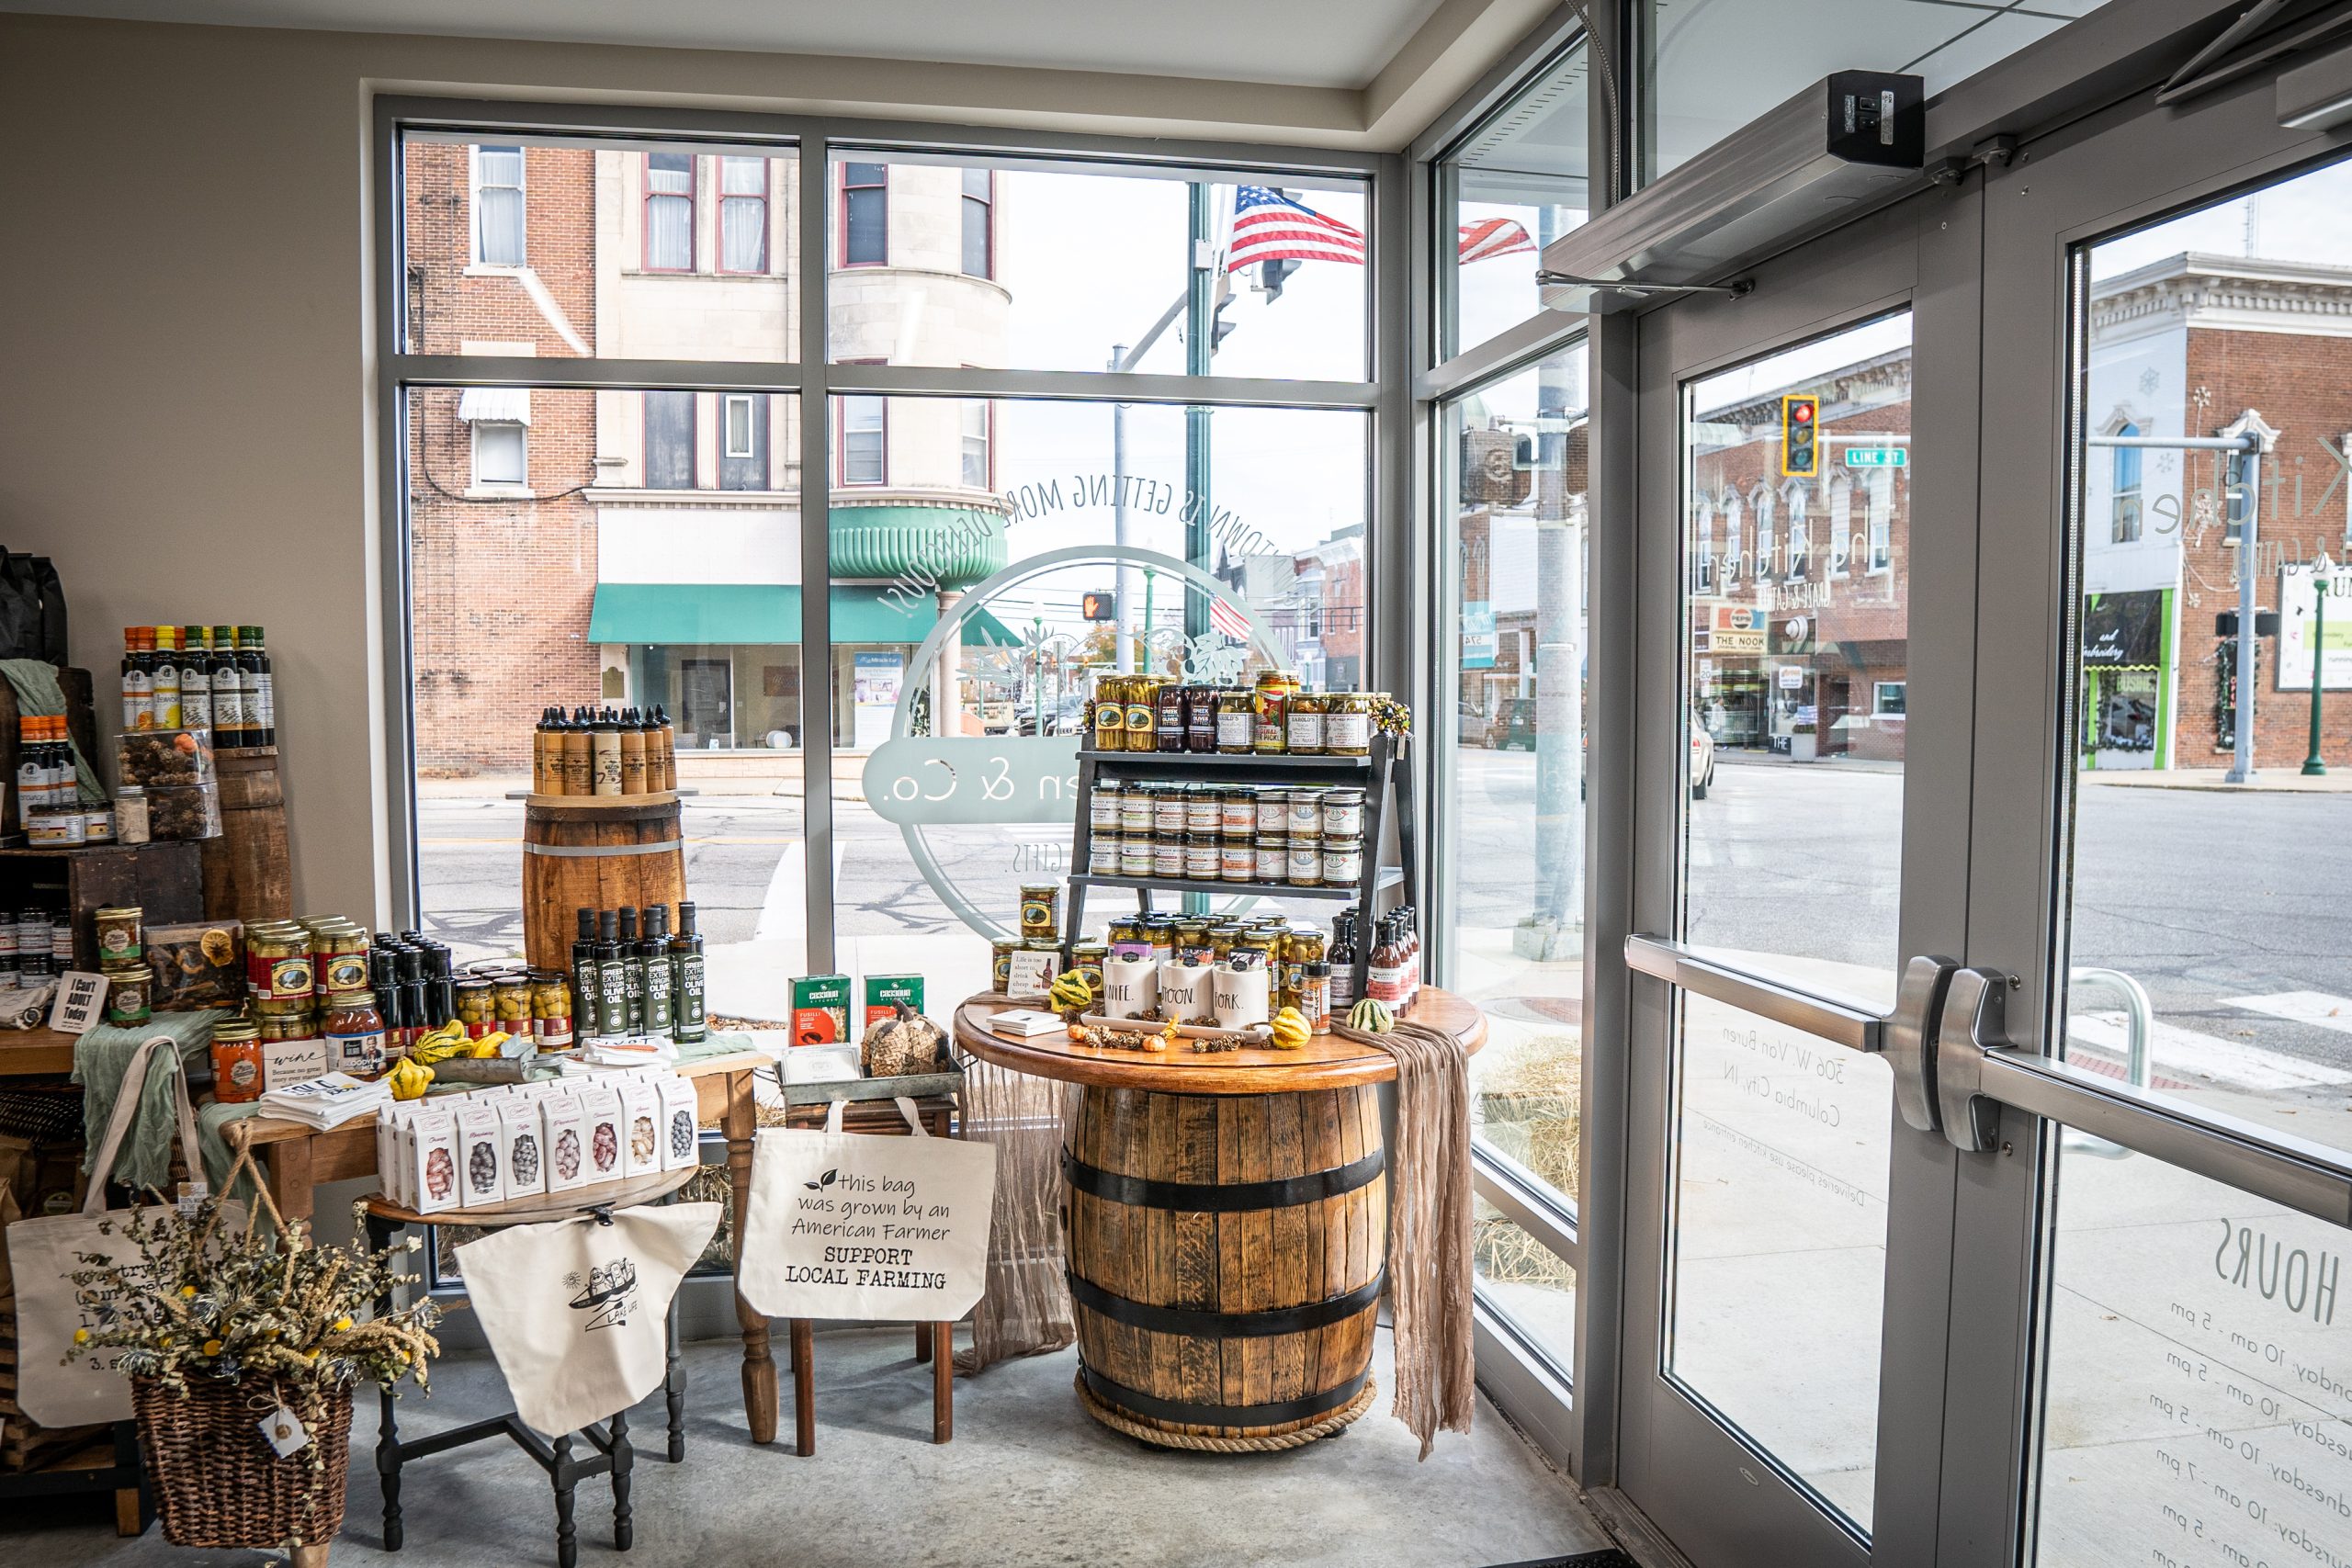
(822, 1182)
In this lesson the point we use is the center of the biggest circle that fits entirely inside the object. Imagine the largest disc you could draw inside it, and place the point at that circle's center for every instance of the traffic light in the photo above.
(1218, 325)
(1271, 275)
(1800, 443)
(2266, 623)
(1098, 605)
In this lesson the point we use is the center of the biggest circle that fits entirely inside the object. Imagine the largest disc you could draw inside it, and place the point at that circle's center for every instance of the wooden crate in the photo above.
(167, 881)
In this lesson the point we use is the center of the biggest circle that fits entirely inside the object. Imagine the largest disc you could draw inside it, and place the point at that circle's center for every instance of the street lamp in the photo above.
(2312, 766)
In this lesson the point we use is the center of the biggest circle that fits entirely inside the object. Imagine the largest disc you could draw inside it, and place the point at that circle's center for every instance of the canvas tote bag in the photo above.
(574, 1310)
(866, 1226)
(41, 1253)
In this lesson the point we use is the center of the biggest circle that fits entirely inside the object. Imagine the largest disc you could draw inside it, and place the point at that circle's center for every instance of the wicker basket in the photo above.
(219, 1485)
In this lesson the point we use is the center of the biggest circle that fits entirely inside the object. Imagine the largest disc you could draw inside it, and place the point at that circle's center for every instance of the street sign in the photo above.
(1877, 457)
(1478, 642)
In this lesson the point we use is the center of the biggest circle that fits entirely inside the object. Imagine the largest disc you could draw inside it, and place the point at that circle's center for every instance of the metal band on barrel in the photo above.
(1222, 1197)
(1209, 1324)
(1137, 1403)
(600, 851)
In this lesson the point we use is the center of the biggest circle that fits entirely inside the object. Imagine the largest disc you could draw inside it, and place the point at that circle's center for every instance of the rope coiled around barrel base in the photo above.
(1119, 1421)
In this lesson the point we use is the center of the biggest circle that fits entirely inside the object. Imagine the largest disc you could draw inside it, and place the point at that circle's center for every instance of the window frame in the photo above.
(645, 441)
(521, 481)
(473, 204)
(728, 404)
(988, 443)
(646, 195)
(720, 196)
(965, 201)
(841, 436)
(842, 187)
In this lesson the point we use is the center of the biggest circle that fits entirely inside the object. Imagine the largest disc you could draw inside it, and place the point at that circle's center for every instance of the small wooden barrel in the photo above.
(248, 870)
(595, 853)
(1226, 1255)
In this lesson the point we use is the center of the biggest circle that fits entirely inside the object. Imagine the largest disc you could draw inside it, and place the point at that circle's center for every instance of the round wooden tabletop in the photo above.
(1325, 1062)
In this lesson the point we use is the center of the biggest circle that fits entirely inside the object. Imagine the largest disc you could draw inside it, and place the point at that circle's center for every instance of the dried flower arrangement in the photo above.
(270, 1306)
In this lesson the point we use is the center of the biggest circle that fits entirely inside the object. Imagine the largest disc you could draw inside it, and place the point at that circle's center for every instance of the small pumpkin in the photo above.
(1372, 1016)
(902, 1044)
(1072, 992)
(1290, 1030)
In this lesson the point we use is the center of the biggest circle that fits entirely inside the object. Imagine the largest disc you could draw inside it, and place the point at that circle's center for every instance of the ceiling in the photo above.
(1317, 43)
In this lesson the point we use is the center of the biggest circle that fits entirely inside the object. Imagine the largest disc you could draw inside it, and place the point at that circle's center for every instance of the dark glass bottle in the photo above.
(586, 981)
(261, 693)
(440, 991)
(229, 722)
(661, 988)
(688, 1021)
(1343, 963)
(633, 971)
(612, 977)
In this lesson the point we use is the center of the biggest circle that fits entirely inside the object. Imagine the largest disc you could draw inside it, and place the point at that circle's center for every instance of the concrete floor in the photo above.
(1029, 1480)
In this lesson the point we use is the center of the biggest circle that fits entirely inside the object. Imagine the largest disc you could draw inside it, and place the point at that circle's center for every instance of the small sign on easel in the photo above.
(80, 1002)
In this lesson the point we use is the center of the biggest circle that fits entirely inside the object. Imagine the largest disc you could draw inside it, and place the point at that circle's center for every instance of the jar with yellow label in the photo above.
(339, 960)
(1270, 712)
(1000, 952)
(1111, 714)
(1143, 714)
(1087, 958)
(1040, 909)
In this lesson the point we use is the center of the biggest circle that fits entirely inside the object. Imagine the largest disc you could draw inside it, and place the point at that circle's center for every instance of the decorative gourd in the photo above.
(1372, 1016)
(1072, 992)
(1290, 1030)
(902, 1044)
(408, 1078)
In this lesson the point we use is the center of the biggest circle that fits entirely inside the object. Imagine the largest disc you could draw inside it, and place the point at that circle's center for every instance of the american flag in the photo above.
(1493, 237)
(1226, 618)
(1269, 226)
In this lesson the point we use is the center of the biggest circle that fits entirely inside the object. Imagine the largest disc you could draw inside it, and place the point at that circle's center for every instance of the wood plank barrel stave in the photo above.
(1233, 1260)
(595, 853)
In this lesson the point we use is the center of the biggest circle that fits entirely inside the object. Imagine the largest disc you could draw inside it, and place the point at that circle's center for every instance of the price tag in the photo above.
(284, 1432)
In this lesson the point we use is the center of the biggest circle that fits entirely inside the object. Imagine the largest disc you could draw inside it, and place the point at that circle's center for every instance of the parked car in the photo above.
(1513, 728)
(1703, 761)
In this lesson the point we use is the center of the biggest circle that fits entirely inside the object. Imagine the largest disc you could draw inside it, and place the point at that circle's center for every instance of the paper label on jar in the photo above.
(1347, 731)
(1307, 732)
(1232, 730)
(358, 1054)
(289, 979)
(346, 971)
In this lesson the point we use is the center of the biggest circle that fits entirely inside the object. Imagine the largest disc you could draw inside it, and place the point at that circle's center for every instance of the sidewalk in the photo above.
(2276, 780)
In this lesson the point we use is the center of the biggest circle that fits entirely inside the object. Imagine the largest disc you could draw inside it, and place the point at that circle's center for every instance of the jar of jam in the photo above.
(1342, 862)
(1305, 730)
(1274, 814)
(236, 1063)
(1305, 814)
(1234, 720)
(126, 993)
(119, 935)
(1343, 813)
(1305, 863)
(1273, 860)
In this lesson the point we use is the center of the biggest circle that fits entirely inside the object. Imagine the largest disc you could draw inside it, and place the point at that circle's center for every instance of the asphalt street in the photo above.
(2207, 899)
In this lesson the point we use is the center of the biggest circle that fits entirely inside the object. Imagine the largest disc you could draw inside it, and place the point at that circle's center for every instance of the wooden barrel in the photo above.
(248, 870)
(595, 853)
(1226, 1255)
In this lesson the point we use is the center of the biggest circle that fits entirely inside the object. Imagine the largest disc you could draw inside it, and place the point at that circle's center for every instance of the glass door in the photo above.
(1802, 736)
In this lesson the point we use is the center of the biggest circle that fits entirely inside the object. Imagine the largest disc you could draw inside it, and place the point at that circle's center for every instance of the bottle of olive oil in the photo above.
(228, 682)
(196, 682)
(586, 977)
(612, 977)
(661, 985)
(688, 1019)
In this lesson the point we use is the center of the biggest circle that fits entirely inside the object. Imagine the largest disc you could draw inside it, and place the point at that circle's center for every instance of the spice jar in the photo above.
(354, 1033)
(236, 1063)
(1270, 712)
(1234, 721)
(1347, 724)
(1306, 728)
(131, 814)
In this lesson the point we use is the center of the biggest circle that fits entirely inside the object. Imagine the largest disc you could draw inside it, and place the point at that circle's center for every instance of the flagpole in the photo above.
(1200, 341)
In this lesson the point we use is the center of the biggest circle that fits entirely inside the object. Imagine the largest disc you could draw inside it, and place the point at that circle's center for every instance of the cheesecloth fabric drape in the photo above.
(1027, 1310)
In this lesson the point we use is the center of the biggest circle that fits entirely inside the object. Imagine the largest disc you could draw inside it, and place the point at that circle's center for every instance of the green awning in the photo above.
(705, 614)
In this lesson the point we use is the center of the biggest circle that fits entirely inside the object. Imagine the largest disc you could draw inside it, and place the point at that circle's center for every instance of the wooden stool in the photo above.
(611, 1453)
(934, 1342)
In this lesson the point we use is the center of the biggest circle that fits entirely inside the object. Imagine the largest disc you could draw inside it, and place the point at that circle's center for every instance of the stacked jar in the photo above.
(1292, 836)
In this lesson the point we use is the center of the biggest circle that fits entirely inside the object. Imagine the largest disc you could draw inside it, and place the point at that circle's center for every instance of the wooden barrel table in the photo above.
(1225, 1227)
(594, 852)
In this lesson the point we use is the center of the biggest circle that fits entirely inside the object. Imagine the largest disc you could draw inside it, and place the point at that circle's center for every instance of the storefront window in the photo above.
(559, 248)
(1510, 811)
(1044, 269)
(1514, 184)
(1279, 529)
(1534, 1286)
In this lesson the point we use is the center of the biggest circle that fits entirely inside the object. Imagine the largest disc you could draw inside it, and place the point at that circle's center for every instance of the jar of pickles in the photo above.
(551, 1010)
(1270, 712)
(1000, 952)
(1347, 724)
(1143, 712)
(476, 1003)
(1109, 726)
(1236, 718)
(1306, 727)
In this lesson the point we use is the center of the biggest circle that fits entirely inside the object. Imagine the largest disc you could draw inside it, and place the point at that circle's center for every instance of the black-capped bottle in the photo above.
(612, 977)
(195, 684)
(1343, 963)
(228, 685)
(260, 688)
(689, 1020)
(587, 982)
(632, 971)
(661, 986)
(440, 987)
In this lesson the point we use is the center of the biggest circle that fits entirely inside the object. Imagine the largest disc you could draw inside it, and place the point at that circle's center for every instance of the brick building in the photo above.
(1798, 584)
(2201, 345)
(1521, 546)
(641, 548)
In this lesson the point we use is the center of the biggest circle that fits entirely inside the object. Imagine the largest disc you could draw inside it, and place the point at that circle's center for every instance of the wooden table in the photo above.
(1225, 1226)
(295, 1160)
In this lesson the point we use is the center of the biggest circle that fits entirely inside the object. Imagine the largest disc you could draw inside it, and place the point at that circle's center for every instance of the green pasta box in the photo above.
(885, 994)
(820, 1009)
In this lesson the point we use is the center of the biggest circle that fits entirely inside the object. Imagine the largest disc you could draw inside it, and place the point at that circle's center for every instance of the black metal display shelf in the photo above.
(1389, 876)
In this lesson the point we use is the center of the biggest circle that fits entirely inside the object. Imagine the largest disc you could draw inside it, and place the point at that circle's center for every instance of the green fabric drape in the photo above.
(37, 691)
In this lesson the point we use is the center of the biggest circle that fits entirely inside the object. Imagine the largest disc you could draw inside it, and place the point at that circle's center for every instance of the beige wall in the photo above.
(186, 336)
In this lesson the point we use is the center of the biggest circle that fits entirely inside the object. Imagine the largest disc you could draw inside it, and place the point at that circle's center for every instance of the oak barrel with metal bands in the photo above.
(1226, 1255)
(595, 852)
